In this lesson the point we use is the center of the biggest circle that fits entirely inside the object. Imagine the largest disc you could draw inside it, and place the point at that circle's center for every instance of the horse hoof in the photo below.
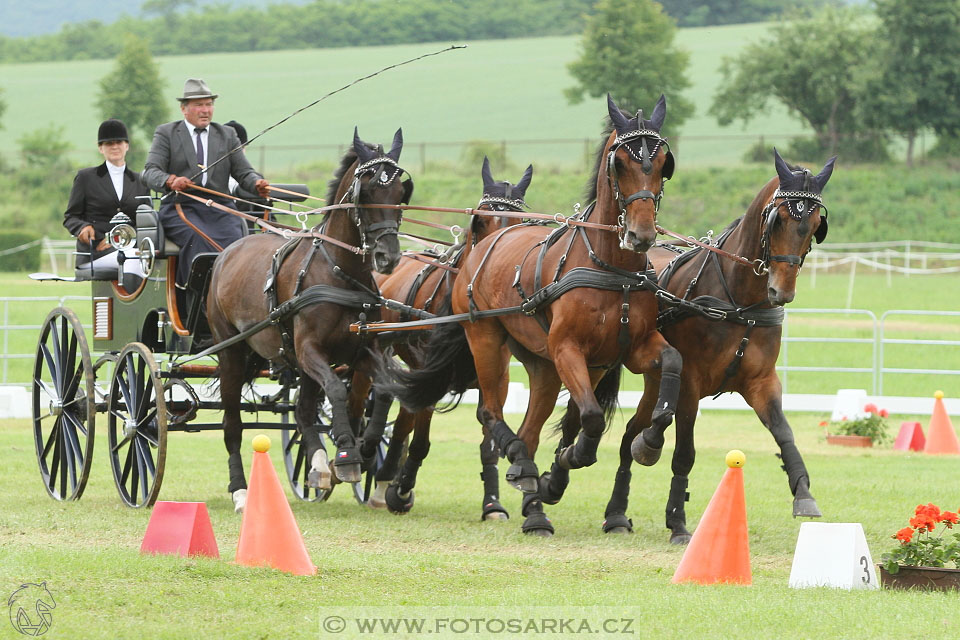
(680, 538)
(522, 475)
(319, 476)
(537, 524)
(379, 498)
(494, 511)
(806, 508)
(617, 523)
(239, 500)
(348, 472)
(396, 503)
(643, 453)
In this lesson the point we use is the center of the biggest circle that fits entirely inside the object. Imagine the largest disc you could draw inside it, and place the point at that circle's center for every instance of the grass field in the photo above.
(493, 90)
(440, 555)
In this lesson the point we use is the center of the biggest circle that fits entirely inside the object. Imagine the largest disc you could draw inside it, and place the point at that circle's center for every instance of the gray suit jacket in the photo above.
(174, 152)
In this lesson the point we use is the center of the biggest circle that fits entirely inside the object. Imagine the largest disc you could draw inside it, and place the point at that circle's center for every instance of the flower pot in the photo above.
(923, 578)
(850, 441)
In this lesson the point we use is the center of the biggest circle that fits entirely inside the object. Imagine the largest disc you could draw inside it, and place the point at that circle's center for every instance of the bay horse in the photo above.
(738, 353)
(255, 275)
(595, 314)
(428, 288)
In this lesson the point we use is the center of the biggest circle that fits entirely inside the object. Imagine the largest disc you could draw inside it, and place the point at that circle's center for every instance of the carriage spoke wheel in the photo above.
(137, 426)
(296, 463)
(63, 405)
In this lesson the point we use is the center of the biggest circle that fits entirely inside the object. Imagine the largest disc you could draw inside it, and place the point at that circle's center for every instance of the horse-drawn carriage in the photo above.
(153, 348)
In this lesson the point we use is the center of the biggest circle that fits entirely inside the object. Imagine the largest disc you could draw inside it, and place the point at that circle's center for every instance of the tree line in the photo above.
(179, 27)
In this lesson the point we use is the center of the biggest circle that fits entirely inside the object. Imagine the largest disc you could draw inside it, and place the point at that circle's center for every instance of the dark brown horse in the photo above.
(594, 314)
(428, 288)
(738, 353)
(258, 273)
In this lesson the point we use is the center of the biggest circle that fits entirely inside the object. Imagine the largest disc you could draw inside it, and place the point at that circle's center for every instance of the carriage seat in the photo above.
(148, 226)
(86, 272)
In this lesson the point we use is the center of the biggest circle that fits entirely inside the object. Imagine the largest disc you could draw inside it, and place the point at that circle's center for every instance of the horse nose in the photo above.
(385, 263)
(778, 297)
(639, 243)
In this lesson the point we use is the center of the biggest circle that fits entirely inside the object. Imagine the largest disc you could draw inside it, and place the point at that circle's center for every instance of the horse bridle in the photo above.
(645, 157)
(385, 169)
(799, 204)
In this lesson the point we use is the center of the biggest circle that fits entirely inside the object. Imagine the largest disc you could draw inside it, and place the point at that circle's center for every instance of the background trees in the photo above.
(627, 50)
(133, 92)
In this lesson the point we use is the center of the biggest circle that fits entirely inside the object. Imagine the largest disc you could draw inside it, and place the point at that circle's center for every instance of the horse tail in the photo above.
(608, 395)
(447, 368)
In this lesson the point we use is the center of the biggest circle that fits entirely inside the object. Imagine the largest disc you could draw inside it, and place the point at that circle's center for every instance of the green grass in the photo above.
(440, 555)
(493, 90)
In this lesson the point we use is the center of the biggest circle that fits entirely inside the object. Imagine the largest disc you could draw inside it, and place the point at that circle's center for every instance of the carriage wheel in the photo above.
(296, 463)
(63, 405)
(137, 426)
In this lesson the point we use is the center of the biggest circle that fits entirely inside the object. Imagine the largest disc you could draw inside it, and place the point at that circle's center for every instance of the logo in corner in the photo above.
(30, 607)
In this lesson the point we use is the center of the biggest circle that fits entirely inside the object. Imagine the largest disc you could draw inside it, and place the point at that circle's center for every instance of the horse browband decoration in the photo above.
(499, 203)
(370, 166)
(797, 199)
(623, 138)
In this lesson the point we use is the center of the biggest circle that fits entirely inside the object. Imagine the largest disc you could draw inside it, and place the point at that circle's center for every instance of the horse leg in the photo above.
(764, 395)
(684, 455)
(399, 495)
(490, 475)
(664, 363)
(572, 369)
(306, 416)
(486, 341)
(232, 365)
(402, 427)
(545, 386)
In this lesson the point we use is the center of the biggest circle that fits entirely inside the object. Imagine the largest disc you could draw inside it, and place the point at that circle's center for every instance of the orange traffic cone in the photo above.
(719, 550)
(180, 528)
(269, 535)
(941, 438)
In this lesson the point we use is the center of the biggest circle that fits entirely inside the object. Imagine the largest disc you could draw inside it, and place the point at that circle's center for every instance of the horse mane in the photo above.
(345, 163)
(591, 192)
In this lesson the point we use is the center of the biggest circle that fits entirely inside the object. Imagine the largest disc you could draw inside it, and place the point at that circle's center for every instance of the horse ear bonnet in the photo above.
(407, 190)
(821, 233)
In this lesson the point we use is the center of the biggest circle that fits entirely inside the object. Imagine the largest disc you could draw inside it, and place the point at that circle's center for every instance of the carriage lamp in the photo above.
(122, 235)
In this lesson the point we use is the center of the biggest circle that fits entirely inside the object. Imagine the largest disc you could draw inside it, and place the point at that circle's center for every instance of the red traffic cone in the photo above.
(269, 535)
(719, 550)
(180, 528)
(910, 438)
(941, 438)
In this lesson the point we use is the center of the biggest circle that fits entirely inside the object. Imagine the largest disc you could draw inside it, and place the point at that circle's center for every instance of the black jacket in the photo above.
(93, 200)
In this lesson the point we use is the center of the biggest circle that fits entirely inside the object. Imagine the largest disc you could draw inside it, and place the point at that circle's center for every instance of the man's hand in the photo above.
(263, 188)
(87, 234)
(178, 183)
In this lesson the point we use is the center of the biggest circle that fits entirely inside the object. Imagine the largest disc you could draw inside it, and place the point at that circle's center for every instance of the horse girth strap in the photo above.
(317, 294)
(716, 309)
(580, 277)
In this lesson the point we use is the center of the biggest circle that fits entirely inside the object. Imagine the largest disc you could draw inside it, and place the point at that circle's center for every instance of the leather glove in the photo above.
(263, 188)
(87, 235)
(178, 183)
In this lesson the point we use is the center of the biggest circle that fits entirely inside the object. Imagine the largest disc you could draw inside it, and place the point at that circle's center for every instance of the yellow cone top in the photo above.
(261, 443)
(735, 458)
(938, 395)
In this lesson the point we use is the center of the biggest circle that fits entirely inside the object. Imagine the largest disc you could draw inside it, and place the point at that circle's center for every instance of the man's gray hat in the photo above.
(196, 88)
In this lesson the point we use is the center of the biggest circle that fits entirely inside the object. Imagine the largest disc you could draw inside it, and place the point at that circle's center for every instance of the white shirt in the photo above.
(204, 138)
(116, 175)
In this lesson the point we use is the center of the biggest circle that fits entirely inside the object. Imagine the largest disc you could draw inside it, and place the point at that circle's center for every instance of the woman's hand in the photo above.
(87, 234)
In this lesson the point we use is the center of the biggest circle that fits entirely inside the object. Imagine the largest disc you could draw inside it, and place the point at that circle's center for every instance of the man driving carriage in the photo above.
(192, 152)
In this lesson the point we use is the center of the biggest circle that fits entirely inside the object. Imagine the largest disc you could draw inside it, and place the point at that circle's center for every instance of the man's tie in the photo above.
(200, 163)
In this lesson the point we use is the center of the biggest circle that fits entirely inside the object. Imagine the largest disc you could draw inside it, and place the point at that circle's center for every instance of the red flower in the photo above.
(824, 423)
(884, 413)
(949, 518)
(905, 535)
(870, 407)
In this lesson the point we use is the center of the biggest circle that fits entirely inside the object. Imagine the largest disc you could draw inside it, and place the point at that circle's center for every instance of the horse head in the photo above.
(793, 219)
(377, 181)
(498, 196)
(638, 160)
